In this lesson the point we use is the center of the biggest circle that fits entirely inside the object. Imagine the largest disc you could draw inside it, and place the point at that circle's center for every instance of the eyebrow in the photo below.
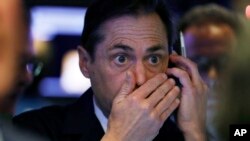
(155, 48)
(128, 48)
(121, 46)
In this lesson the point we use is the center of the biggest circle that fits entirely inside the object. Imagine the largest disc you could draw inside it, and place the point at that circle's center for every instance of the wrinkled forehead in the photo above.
(140, 26)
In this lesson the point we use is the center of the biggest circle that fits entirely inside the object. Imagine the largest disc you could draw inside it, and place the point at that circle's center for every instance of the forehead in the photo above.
(143, 29)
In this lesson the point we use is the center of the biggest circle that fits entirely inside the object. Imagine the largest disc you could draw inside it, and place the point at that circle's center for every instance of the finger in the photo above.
(170, 110)
(167, 100)
(187, 65)
(146, 89)
(182, 75)
(193, 72)
(127, 87)
(160, 92)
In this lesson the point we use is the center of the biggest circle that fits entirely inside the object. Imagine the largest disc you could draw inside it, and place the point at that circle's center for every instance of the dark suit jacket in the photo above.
(77, 122)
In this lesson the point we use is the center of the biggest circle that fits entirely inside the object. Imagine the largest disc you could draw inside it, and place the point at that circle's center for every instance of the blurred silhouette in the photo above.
(234, 96)
(13, 40)
(13, 51)
(210, 33)
(210, 36)
(18, 44)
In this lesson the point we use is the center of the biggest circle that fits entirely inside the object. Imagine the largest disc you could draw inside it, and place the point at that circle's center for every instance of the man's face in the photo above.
(209, 46)
(137, 44)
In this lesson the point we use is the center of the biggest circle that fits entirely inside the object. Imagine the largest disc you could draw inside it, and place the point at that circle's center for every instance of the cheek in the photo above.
(107, 83)
(151, 74)
(154, 71)
(114, 82)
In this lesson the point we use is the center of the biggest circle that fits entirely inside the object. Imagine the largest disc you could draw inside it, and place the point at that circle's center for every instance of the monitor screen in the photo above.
(56, 34)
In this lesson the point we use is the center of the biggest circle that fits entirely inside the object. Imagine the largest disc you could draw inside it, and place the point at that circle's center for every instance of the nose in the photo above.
(140, 73)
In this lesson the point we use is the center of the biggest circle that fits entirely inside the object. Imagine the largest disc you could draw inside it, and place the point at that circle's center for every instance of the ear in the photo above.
(84, 61)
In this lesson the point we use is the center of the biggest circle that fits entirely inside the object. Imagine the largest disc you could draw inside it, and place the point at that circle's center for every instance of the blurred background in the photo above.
(56, 26)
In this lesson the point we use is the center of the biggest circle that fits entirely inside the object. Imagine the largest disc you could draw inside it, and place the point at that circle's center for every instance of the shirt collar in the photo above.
(100, 116)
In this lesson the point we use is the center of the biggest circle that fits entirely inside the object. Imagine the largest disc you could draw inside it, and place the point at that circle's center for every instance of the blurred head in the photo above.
(127, 36)
(210, 35)
(13, 49)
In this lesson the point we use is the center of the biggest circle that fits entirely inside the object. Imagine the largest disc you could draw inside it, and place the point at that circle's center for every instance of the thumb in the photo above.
(127, 87)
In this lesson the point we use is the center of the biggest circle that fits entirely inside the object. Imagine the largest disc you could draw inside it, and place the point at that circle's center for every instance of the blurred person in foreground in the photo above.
(210, 34)
(125, 53)
(234, 106)
(14, 47)
(13, 44)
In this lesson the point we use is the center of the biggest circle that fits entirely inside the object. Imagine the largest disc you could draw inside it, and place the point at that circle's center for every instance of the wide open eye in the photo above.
(154, 60)
(121, 59)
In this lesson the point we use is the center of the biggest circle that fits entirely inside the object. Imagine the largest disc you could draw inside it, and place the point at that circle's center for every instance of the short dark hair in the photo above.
(103, 10)
(210, 13)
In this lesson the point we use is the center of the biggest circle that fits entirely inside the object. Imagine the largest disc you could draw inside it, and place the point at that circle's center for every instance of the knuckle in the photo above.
(134, 98)
(153, 115)
(146, 106)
